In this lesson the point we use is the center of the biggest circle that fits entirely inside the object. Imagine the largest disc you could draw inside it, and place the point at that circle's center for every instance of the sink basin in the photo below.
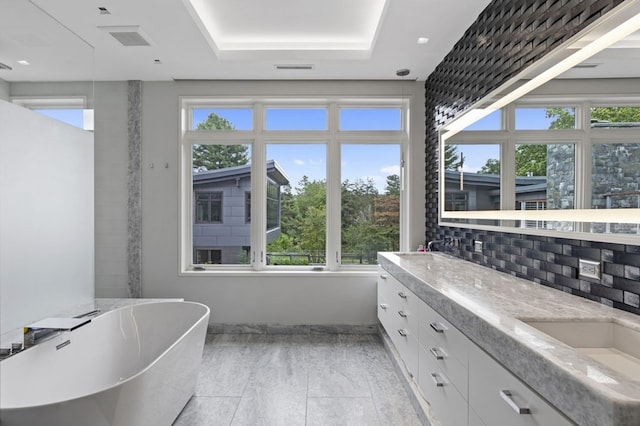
(607, 342)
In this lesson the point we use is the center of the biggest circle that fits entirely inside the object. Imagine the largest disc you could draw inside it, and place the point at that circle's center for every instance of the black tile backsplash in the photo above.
(507, 37)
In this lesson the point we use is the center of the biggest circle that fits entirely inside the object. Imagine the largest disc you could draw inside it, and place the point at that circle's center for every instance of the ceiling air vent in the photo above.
(5, 67)
(301, 67)
(128, 36)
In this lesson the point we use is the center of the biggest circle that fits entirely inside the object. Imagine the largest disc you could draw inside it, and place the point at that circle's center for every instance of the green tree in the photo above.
(451, 159)
(616, 114)
(393, 185)
(492, 167)
(563, 118)
(212, 157)
(531, 160)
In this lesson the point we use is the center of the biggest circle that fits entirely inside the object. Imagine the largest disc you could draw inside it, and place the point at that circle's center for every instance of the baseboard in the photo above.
(292, 329)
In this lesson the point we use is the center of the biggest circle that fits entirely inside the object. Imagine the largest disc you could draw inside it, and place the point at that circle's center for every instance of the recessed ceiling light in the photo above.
(157, 61)
(23, 62)
(423, 40)
(104, 11)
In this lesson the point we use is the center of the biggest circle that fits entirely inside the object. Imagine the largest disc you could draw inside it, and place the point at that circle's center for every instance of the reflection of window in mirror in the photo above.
(545, 118)
(545, 180)
(472, 177)
(492, 121)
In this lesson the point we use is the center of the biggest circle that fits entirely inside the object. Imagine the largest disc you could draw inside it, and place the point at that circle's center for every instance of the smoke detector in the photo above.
(129, 36)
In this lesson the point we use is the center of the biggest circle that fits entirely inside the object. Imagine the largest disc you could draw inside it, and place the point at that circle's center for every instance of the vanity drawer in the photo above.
(449, 365)
(447, 404)
(405, 306)
(500, 398)
(384, 309)
(437, 332)
(407, 345)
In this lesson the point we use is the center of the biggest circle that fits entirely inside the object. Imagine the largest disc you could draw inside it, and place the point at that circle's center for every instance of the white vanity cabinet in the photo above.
(398, 313)
(443, 367)
(463, 385)
(500, 398)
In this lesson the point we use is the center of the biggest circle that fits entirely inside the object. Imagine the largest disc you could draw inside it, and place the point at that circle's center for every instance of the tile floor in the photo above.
(288, 380)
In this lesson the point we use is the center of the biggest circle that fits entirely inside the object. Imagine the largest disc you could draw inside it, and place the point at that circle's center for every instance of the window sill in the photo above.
(360, 272)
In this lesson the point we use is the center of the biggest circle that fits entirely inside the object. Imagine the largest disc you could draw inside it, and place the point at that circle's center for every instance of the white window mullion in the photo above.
(258, 193)
(334, 180)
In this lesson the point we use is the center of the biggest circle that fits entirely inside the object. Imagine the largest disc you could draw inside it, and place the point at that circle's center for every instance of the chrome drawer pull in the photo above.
(436, 327)
(402, 332)
(383, 276)
(403, 314)
(384, 306)
(437, 380)
(506, 395)
(436, 354)
(402, 294)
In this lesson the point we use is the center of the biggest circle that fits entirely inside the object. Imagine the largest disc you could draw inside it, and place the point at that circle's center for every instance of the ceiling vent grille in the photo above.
(305, 67)
(5, 67)
(128, 36)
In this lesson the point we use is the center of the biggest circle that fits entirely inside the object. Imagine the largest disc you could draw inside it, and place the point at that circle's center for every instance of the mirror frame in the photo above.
(597, 37)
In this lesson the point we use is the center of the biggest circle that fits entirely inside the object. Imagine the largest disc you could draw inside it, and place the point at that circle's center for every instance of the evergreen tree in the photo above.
(212, 157)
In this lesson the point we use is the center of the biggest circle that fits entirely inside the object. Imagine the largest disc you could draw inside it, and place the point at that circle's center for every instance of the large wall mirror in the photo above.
(557, 149)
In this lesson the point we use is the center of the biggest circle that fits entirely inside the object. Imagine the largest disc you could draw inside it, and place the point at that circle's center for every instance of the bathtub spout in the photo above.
(49, 327)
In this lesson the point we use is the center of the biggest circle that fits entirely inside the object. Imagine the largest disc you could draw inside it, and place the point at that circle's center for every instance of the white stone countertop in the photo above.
(489, 306)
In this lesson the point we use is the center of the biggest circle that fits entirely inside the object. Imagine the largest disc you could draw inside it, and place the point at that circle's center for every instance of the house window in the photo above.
(457, 201)
(311, 183)
(207, 257)
(209, 207)
(247, 207)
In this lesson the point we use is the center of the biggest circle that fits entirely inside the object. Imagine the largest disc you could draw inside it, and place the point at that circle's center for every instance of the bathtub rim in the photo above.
(197, 323)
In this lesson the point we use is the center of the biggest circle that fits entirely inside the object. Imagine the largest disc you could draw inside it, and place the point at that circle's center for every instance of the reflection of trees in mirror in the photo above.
(451, 160)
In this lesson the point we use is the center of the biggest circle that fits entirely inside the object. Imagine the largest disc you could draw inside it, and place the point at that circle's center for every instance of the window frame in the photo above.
(259, 138)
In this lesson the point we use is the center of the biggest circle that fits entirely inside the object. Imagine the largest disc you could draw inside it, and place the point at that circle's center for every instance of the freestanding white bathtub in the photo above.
(136, 365)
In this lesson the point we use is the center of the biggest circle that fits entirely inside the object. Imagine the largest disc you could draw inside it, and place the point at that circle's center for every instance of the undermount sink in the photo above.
(607, 342)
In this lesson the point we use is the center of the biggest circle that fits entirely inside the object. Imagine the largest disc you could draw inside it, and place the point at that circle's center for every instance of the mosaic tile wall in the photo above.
(506, 38)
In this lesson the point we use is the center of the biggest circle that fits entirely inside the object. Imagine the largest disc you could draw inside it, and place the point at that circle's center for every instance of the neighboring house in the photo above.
(482, 192)
(222, 212)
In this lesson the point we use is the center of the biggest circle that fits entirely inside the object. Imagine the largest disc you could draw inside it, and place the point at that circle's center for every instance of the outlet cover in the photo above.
(477, 246)
(588, 269)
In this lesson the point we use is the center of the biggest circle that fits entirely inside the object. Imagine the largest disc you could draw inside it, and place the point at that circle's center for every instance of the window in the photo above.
(329, 193)
(370, 119)
(69, 110)
(208, 207)
(545, 118)
(457, 201)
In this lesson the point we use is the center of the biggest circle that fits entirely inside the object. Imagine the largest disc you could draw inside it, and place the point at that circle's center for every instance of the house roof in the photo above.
(274, 171)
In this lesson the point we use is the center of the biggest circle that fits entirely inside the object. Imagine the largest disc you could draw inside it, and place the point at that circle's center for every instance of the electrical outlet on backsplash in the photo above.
(555, 262)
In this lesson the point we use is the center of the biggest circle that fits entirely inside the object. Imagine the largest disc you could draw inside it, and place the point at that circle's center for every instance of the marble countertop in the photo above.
(489, 306)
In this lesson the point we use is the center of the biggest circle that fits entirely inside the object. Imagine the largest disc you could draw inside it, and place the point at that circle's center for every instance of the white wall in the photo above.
(46, 217)
(323, 298)
(4, 90)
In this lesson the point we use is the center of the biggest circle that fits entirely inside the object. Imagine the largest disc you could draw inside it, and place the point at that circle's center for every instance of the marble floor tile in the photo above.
(297, 379)
(210, 411)
(341, 412)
